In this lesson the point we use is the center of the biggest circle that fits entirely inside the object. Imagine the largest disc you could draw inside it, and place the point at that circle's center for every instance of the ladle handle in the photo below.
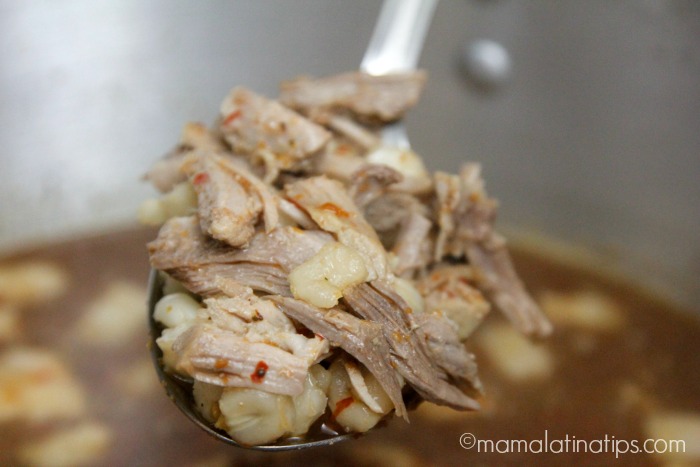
(398, 36)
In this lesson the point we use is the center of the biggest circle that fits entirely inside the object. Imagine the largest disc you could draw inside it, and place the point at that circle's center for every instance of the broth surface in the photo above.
(608, 377)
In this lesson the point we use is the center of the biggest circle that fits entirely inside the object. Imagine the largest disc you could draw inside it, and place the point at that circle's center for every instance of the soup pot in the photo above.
(584, 115)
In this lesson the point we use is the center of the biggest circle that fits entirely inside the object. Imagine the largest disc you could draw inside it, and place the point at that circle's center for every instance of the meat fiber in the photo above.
(450, 290)
(167, 172)
(371, 182)
(328, 203)
(385, 98)
(187, 254)
(408, 353)
(360, 338)
(465, 216)
(222, 358)
(252, 123)
(413, 245)
(230, 199)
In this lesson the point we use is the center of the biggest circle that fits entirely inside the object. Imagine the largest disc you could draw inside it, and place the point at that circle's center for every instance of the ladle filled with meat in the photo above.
(314, 281)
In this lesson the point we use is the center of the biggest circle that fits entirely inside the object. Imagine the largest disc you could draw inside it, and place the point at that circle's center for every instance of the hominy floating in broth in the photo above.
(323, 276)
(627, 368)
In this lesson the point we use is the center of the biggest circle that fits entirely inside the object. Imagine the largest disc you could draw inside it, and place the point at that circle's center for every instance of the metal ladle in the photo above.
(395, 46)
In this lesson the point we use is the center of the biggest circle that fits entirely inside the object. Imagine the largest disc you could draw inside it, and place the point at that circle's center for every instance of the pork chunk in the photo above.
(360, 338)
(167, 172)
(465, 216)
(230, 199)
(216, 356)
(328, 203)
(385, 98)
(379, 303)
(200, 262)
(252, 123)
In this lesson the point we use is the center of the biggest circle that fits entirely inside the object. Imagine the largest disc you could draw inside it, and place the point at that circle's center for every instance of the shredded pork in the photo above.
(385, 97)
(325, 263)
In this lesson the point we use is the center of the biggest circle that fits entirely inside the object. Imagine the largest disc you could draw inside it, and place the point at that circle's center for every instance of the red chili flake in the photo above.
(342, 149)
(244, 183)
(232, 116)
(319, 336)
(337, 210)
(342, 405)
(201, 177)
(260, 371)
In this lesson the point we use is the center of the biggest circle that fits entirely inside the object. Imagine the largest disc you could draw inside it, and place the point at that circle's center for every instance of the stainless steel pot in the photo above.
(593, 138)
